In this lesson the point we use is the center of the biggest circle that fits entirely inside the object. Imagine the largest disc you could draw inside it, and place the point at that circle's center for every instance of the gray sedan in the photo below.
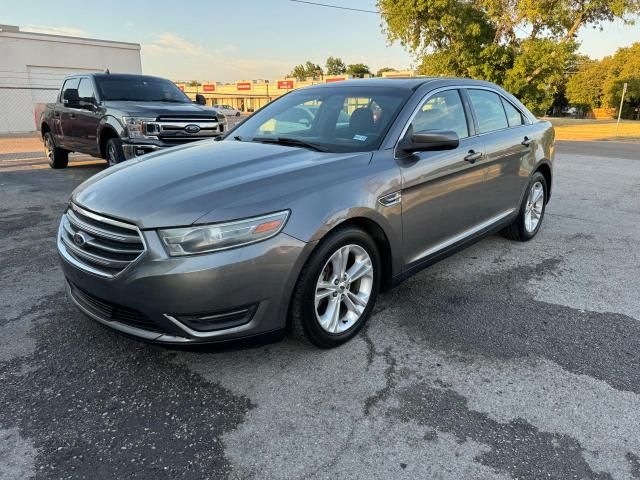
(298, 221)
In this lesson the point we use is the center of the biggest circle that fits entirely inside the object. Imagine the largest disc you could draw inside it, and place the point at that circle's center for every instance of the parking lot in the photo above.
(507, 360)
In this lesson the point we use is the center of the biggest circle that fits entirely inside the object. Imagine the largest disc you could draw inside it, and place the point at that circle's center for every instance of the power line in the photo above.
(317, 4)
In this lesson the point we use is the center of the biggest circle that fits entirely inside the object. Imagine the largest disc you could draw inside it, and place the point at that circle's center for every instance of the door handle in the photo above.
(526, 142)
(473, 156)
(72, 115)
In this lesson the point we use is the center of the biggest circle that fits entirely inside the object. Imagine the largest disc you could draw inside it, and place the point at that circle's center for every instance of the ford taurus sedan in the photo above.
(276, 228)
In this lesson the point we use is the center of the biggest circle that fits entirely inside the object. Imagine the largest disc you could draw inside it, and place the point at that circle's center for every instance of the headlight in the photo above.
(220, 236)
(139, 127)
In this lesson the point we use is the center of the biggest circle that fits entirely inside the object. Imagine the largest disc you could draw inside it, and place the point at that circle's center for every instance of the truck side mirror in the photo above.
(200, 100)
(70, 98)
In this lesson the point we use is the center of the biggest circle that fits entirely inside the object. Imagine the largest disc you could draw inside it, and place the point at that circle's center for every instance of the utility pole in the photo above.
(624, 90)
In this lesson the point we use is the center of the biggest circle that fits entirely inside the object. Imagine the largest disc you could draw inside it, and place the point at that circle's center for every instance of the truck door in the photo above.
(65, 115)
(87, 117)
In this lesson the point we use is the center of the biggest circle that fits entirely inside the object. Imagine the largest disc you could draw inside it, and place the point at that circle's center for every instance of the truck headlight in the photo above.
(139, 127)
(221, 236)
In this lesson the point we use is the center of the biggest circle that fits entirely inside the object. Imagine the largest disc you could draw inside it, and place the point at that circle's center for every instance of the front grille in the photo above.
(112, 312)
(180, 128)
(99, 244)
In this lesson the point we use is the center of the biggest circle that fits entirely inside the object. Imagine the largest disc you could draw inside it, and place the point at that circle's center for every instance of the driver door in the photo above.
(441, 189)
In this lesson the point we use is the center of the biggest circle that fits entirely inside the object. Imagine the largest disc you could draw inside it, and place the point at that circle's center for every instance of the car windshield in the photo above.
(330, 119)
(143, 89)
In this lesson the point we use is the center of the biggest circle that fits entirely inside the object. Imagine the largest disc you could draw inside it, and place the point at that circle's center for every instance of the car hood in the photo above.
(154, 109)
(223, 180)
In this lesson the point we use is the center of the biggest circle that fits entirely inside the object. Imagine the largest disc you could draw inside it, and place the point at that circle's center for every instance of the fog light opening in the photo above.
(212, 321)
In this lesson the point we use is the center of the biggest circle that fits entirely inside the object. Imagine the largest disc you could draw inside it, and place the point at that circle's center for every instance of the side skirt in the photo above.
(453, 249)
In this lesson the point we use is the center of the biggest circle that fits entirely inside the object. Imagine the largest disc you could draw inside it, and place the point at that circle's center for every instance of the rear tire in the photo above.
(57, 157)
(532, 209)
(330, 304)
(113, 151)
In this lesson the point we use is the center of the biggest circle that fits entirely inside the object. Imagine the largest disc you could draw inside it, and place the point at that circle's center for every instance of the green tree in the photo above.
(335, 66)
(383, 70)
(599, 83)
(624, 67)
(308, 69)
(525, 46)
(585, 87)
(358, 70)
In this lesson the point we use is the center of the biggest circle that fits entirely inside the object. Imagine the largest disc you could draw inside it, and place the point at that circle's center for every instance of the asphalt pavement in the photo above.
(507, 360)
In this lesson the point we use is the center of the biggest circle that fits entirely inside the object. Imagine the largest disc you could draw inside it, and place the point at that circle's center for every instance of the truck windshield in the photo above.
(140, 89)
(329, 119)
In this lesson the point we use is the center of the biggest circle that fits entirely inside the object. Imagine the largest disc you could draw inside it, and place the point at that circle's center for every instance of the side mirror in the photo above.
(433, 140)
(70, 98)
(200, 100)
(88, 103)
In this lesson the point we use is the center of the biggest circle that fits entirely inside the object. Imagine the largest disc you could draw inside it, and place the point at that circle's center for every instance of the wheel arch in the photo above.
(109, 128)
(544, 167)
(377, 233)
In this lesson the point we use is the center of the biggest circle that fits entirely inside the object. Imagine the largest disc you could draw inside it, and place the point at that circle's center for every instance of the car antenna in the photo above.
(107, 71)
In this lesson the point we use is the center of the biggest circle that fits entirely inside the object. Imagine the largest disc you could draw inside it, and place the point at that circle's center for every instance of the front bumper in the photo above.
(161, 290)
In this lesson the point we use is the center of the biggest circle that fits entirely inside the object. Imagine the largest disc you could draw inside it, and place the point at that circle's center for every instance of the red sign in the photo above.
(209, 87)
(243, 85)
(181, 87)
(338, 79)
(285, 84)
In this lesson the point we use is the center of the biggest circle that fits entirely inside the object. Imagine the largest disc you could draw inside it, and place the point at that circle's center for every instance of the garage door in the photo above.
(40, 84)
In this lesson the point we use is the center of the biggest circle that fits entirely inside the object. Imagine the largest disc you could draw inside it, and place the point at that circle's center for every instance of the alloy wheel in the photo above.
(534, 207)
(111, 155)
(344, 288)
(48, 148)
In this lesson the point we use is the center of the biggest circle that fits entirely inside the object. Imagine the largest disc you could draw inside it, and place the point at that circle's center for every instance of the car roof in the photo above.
(115, 75)
(405, 83)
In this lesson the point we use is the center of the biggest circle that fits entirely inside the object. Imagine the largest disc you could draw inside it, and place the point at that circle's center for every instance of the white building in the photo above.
(32, 66)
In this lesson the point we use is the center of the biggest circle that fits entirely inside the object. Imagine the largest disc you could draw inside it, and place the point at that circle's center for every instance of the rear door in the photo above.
(87, 117)
(503, 128)
(65, 117)
(441, 189)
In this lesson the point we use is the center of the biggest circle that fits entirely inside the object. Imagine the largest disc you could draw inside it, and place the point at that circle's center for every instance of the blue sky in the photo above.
(243, 39)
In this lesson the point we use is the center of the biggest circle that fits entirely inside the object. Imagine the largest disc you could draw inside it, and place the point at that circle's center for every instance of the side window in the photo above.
(514, 116)
(85, 90)
(489, 110)
(442, 111)
(71, 83)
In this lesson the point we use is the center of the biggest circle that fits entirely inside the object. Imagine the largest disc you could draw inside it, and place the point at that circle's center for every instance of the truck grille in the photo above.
(188, 128)
(98, 244)
(111, 311)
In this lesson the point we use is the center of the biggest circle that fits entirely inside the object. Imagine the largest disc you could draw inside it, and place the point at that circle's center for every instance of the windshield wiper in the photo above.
(294, 142)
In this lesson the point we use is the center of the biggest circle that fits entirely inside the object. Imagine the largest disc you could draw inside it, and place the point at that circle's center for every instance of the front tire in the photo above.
(337, 288)
(114, 153)
(57, 157)
(534, 203)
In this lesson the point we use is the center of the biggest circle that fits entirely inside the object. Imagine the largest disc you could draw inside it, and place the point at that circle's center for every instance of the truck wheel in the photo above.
(114, 153)
(57, 157)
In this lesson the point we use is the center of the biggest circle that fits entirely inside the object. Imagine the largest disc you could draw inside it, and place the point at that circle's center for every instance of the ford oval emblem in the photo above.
(192, 128)
(79, 239)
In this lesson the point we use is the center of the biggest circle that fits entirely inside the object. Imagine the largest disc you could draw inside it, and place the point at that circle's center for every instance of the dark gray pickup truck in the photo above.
(120, 116)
